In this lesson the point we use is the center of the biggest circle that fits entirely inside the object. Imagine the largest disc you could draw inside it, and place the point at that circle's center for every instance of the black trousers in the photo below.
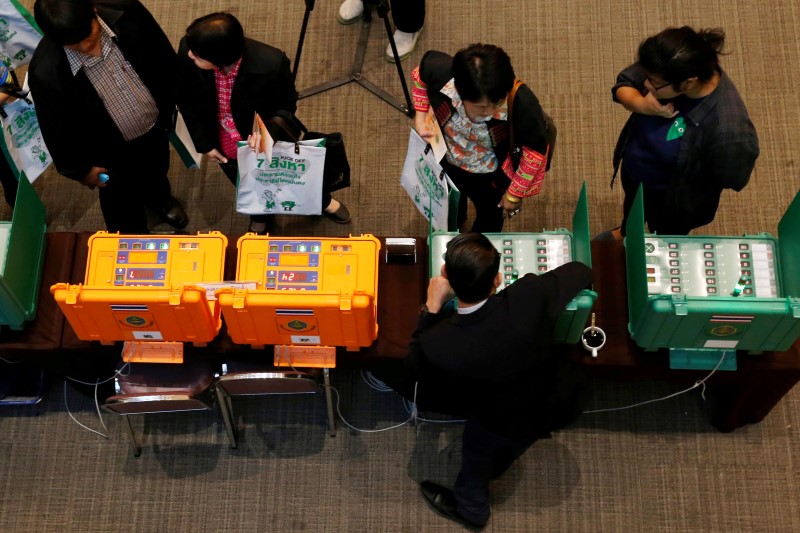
(658, 219)
(9, 181)
(485, 455)
(137, 179)
(231, 171)
(408, 15)
(485, 191)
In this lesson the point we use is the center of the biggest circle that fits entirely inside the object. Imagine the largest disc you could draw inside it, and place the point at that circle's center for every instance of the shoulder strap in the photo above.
(510, 104)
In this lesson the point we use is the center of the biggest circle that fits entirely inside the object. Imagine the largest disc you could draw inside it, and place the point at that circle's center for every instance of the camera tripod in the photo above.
(355, 75)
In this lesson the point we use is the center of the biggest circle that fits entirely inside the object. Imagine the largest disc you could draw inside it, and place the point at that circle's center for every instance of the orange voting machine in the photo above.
(312, 295)
(147, 290)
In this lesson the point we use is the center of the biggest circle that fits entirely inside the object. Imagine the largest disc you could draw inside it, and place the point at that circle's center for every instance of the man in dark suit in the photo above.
(104, 80)
(491, 359)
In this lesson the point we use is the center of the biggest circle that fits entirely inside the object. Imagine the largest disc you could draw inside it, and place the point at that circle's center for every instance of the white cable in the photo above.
(374, 382)
(338, 412)
(10, 362)
(124, 370)
(75, 419)
(699, 383)
(410, 405)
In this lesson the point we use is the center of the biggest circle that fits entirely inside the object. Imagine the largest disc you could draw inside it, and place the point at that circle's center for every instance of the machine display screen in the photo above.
(293, 276)
(141, 273)
(294, 259)
(142, 257)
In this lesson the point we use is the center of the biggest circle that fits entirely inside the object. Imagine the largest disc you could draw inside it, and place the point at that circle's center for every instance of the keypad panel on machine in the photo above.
(293, 265)
(520, 254)
(711, 267)
(142, 262)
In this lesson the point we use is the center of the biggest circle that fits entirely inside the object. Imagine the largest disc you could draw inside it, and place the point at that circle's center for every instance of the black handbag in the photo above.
(285, 126)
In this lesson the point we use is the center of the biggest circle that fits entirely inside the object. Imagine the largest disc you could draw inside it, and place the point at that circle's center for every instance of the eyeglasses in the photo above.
(657, 88)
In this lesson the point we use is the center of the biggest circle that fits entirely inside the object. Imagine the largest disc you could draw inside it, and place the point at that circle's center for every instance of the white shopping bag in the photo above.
(22, 141)
(428, 186)
(19, 34)
(288, 183)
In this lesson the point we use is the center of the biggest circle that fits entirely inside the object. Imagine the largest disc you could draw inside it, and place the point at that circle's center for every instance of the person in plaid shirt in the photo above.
(225, 78)
(689, 135)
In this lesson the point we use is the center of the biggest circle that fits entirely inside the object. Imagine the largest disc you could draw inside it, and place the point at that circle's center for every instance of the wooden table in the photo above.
(741, 397)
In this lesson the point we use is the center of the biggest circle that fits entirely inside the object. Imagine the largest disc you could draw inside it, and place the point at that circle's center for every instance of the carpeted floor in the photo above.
(660, 467)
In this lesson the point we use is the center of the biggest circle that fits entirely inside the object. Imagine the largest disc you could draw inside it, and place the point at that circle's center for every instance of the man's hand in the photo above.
(421, 125)
(215, 156)
(439, 293)
(92, 179)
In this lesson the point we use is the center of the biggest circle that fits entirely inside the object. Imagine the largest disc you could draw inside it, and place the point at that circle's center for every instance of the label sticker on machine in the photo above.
(134, 321)
(305, 339)
(296, 324)
(148, 336)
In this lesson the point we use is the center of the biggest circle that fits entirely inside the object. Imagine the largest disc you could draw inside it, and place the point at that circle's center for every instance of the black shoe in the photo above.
(262, 227)
(173, 214)
(442, 500)
(340, 216)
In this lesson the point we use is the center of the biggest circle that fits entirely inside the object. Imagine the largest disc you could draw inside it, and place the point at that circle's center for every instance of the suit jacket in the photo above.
(76, 126)
(498, 363)
(264, 85)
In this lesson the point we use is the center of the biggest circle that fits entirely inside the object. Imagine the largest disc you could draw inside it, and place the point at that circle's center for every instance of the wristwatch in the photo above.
(423, 310)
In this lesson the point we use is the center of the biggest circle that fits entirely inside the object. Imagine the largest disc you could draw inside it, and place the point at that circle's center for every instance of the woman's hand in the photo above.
(421, 125)
(509, 208)
(632, 100)
(215, 156)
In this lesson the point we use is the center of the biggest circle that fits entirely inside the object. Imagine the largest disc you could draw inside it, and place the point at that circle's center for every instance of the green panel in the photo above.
(635, 261)
(22, 272)
(690, 359)
(581, 239)
(789, 237)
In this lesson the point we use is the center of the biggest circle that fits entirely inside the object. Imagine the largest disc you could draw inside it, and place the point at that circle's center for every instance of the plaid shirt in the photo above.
(128, 102)
(228, 134)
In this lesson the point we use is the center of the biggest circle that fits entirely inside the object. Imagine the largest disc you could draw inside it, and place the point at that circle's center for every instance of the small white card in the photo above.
(212, 288)
(438, 145)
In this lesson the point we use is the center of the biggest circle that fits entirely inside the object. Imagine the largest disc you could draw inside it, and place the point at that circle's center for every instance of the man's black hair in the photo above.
(64, 21)
(217, 38)
(482, 71)
(471, 263)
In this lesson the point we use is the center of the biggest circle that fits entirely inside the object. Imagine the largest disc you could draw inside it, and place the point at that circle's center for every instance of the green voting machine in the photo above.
(537, 253)
(707, 297)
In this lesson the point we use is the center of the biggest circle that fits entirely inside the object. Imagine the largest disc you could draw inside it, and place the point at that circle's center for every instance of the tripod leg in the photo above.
(409, 110)
(301, 40)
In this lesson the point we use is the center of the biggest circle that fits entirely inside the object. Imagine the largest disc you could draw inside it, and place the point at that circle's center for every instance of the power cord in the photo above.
(348, 424)
(124, 370)
(699, 383)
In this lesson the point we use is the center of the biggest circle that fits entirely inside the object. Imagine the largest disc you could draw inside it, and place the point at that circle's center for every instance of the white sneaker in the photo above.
(405, 43)
(350, 11)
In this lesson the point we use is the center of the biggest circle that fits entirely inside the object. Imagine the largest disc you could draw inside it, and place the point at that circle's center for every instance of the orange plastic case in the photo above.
(311, 291)
(145, 288)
